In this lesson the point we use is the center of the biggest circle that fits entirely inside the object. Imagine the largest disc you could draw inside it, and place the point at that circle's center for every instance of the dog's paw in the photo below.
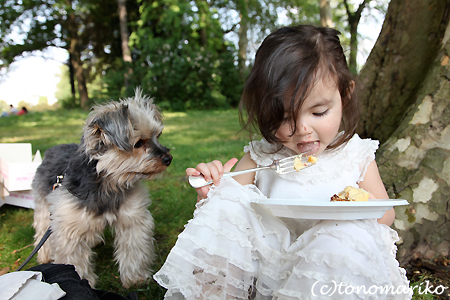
(91, 278)
(133, 281)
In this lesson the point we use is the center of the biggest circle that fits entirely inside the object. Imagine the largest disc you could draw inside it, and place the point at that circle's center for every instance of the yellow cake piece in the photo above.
(351, 193)
(298, 164)
(312, 159)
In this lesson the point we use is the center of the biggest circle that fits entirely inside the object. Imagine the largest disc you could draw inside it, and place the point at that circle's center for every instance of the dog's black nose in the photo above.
(167, 159)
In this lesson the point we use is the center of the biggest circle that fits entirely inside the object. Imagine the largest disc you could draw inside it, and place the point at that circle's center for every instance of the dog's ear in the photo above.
(157, 113)
(109, 128)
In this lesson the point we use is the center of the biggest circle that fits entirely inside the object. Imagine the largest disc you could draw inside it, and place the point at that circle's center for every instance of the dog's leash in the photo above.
(58, 183)
(36, 249)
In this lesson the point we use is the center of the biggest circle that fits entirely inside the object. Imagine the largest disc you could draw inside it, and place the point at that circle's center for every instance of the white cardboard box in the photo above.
(20, 198)
(17, 169)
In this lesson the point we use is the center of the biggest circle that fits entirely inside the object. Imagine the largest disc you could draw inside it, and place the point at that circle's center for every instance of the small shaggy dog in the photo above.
(80, 189)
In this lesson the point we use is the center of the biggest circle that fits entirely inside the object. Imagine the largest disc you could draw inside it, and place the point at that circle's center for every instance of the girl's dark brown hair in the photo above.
(287, 65)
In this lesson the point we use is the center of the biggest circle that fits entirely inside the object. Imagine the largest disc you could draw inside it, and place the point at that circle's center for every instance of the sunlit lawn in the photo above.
(193, 137)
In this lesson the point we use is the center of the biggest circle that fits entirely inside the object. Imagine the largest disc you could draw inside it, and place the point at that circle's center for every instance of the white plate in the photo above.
(327, 210)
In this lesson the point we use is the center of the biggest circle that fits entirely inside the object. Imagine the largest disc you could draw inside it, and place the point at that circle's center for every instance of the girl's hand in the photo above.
(211, 171)
(374, 185)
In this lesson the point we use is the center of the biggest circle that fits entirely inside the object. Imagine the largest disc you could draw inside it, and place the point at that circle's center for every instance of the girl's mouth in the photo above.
(308, 147)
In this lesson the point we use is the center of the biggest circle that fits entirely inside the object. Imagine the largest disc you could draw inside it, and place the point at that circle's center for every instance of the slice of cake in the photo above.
(298, 164)
(351, 194)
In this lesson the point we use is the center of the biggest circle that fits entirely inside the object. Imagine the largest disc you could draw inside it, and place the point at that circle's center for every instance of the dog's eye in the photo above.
(139, 143)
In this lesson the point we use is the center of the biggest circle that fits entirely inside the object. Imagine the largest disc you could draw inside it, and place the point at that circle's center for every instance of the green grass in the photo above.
(193, 137)
(420, 290)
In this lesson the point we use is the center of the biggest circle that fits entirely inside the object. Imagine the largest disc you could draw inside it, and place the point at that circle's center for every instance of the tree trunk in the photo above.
(353, 22)
(78, 68)
(126, 54)
(398, 63)
(325, 14)
(203, 22)
(406, 101)
(75, 57)
(71, 77)
(243, 40)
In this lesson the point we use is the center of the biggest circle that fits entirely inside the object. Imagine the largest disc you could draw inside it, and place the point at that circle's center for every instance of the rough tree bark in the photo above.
(406, 104)
(398, 63)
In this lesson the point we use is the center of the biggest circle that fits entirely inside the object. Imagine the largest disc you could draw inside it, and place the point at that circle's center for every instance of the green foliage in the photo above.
(302, 11)
(179, 50)
(3, 106)
(195, 79)
(33, 23)
(182, 58)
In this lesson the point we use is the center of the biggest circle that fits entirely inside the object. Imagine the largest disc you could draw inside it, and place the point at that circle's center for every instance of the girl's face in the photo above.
(318, 121)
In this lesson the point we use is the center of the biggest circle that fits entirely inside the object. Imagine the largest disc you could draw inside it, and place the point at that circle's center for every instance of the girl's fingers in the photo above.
(229, 164)
(212, 171)
(192, 172)
(216, 171)
(203, 169)
(209, 171)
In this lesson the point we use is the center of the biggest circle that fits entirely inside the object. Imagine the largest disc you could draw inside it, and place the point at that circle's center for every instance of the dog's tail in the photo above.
(36, 249)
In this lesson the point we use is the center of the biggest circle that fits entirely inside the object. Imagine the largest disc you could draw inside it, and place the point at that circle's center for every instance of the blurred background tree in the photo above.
(3, 106)
(186, 54)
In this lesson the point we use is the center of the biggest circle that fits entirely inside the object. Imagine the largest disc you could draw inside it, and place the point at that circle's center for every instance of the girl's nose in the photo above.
(304, 129)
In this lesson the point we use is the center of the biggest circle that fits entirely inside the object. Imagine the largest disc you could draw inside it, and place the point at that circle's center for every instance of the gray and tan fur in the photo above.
(102, 187)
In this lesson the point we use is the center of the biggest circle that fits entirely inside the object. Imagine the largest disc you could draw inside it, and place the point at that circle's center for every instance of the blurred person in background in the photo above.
(22, 111)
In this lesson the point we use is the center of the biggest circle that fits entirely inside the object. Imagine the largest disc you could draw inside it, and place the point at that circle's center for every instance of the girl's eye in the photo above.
(320, 114)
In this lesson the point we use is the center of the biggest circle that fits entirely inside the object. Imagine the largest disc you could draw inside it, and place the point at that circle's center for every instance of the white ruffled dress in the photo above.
(235, 249)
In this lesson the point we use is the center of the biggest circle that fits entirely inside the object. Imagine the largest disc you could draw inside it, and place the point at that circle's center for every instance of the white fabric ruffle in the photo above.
(234, 249)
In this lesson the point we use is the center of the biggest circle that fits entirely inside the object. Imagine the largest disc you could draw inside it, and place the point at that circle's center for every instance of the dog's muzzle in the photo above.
(167, 159)
(163, 153)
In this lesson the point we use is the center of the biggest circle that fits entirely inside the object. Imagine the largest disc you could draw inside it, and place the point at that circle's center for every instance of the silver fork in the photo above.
(280, 166)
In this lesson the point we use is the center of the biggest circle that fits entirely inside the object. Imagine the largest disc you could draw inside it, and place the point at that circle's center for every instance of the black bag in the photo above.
(75, 287)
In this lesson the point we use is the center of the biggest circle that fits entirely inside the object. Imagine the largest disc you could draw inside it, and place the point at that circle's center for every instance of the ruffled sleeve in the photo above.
(366, 154)
(261, 152)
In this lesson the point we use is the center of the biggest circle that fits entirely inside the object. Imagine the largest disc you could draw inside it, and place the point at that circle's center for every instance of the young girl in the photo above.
(299, 96)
